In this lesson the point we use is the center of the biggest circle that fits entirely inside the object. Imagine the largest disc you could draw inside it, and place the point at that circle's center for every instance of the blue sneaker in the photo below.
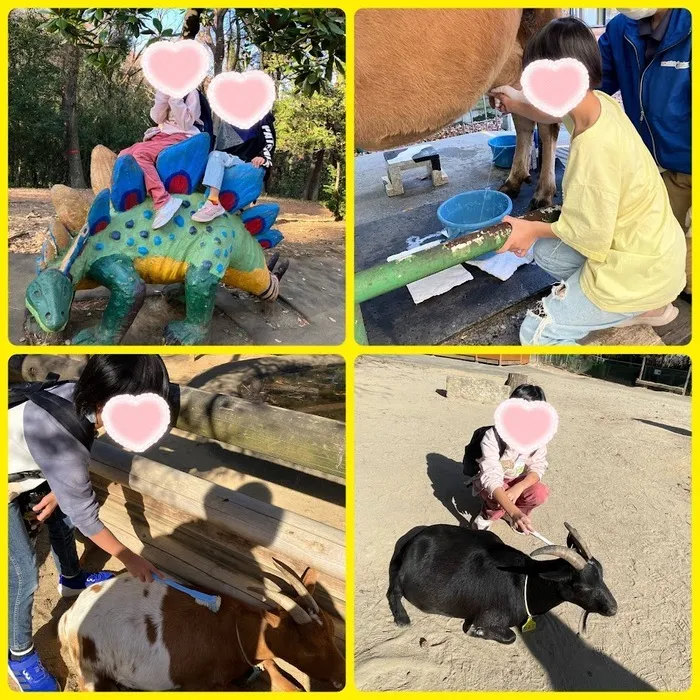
(31, 676)
(72, 587)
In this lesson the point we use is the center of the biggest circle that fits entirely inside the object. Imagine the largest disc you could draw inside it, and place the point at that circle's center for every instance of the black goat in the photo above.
(473, 575)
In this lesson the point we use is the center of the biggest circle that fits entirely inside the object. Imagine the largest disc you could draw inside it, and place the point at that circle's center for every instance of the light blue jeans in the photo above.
(216, 167)
(566, 315)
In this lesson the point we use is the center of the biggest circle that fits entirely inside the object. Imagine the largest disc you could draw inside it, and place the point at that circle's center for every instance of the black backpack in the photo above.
(59, 408)
(472, 452)
(205, 116)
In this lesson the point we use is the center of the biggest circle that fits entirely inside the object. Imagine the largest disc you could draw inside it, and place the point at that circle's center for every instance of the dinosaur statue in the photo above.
(117, 248)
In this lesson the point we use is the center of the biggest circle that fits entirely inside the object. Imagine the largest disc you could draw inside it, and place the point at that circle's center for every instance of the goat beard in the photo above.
(582, 623)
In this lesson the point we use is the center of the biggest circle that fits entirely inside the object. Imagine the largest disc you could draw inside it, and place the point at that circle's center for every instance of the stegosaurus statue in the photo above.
(117, 248)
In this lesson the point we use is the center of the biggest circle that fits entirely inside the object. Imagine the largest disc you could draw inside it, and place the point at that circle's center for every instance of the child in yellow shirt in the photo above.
(617, 248)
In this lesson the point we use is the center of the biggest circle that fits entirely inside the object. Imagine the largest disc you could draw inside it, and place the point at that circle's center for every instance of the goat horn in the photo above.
(290, 576)
(299, 615)
(578, 541)
(556, 550)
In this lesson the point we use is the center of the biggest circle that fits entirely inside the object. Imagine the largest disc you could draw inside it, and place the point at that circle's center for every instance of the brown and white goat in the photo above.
(418, 70)
(152, 637)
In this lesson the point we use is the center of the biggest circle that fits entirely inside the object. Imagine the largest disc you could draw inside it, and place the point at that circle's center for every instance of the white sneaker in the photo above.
(164, 214)
(208, 212)
(479, 522)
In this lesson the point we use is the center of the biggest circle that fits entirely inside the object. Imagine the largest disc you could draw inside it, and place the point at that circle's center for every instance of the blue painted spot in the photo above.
(193, 230)
(217, 240)
(99, 246)
(219, 268)
(143, 250)
(157, 240)
(225, 216)
(207, 264)
(192, 212)
(179, 221)
(172, 236)
(217, 252)
(186, 203)
(130, 242)
(202, 244)
(208, 229)
(224, 234)
(143, 234)
(129, 223)
(233, 234)
(115, 235)
(148, 214)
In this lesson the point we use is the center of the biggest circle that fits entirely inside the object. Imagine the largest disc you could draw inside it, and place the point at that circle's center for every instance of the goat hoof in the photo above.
(510, 190)
(540, 202)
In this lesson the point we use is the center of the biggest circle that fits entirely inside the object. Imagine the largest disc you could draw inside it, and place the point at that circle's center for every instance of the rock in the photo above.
(101, 164)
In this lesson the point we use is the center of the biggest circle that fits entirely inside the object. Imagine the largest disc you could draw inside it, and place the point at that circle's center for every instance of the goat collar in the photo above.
(530, 623)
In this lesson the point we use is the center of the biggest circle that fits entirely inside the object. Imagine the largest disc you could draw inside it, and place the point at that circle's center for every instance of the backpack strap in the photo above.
(502, 445)
(62, 410)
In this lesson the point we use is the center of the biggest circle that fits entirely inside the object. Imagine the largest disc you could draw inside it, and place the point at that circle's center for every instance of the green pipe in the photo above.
(388, 276)
(360, 332)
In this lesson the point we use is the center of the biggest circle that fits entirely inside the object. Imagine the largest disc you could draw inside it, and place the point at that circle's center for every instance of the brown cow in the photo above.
(417, 71)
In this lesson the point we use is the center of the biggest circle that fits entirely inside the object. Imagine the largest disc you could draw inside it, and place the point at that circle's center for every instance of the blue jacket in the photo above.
(657, 98)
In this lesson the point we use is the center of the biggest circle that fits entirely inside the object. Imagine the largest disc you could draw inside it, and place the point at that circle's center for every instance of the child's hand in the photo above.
(258, 161)
(522, 237)
(138, 567)
(46, 506)
(505, 97)
(522, 522)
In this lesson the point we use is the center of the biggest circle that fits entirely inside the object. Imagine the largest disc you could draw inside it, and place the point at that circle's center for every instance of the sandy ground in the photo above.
(619, 472)
(310, 229)
(300, 493)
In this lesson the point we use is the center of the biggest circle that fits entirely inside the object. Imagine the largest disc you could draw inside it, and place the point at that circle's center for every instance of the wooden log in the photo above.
(294, 536)
(308, 443)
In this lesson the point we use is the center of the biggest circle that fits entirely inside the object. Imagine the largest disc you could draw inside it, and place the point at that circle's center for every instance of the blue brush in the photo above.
(213, 602)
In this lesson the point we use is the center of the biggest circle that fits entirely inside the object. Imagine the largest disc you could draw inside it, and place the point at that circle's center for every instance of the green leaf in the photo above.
(157, 24)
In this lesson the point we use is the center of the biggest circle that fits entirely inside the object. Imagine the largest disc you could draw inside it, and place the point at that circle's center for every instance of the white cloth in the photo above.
(503, 266)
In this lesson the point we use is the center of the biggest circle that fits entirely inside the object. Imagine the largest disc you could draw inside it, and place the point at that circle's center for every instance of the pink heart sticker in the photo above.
(526, 425)
(242, 99)
(176, 67)
(555, 87)
(136, 422)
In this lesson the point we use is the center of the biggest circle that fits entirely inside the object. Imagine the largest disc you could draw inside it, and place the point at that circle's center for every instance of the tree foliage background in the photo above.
(53, 121)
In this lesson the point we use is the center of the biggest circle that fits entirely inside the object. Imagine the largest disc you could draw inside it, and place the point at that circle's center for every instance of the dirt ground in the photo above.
(294, 491)
(619, 471)
(310, 229)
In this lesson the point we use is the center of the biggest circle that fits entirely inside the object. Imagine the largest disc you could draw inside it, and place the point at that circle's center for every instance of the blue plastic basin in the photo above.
(502, 150)
(472, 211)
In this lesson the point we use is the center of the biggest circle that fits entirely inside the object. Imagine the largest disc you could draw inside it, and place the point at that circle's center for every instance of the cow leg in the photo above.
(547, 185)
(520, 170)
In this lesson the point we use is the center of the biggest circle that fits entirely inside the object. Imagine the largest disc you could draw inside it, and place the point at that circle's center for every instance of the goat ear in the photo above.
(309, 579)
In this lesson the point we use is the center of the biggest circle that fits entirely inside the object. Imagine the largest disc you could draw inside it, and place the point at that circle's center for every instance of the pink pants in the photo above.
(145, 153)
(530, 498)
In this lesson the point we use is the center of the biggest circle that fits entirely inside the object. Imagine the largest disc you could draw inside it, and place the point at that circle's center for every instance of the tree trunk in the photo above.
(313, 181)
(219, 40)
(234, 55)
(69, 106)
(190, 25)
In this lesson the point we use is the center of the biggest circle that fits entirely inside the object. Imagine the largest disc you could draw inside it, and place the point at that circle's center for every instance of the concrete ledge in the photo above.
(475, 388)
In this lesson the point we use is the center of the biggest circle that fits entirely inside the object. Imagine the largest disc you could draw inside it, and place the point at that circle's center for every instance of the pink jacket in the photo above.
(176, 115)
(495, 471)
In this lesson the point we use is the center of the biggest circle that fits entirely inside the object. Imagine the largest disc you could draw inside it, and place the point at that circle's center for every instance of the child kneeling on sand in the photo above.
(617, 248)
(508, 482)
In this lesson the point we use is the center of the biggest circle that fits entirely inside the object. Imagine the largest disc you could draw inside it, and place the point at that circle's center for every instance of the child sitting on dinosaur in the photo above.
(176, 119)
(234, 146)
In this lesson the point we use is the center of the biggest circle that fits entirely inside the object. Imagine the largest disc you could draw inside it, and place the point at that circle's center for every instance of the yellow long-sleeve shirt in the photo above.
(617, 213)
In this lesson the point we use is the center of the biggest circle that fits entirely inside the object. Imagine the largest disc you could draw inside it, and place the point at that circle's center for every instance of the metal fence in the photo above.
(632, 373)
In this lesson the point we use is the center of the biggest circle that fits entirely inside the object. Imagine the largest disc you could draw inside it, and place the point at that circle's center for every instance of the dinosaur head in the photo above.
(48, 299)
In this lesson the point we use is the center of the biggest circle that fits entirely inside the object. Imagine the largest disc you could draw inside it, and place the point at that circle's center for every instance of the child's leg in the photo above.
(214, 174)
(491, 509)
(532, 497)
(566, 316)
(557, 258)
(146, 153)
(62, 537)
(23, 581)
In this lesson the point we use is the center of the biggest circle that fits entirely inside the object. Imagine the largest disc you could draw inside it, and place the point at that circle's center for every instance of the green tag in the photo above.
(530, 625)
